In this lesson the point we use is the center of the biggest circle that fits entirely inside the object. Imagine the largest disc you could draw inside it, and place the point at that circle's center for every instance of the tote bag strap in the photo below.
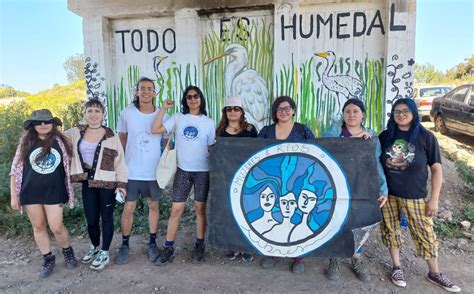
(173, 132)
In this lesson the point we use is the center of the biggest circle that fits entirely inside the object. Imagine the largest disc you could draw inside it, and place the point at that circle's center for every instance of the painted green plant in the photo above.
(257, 38)
(170, 85)
(316, 103)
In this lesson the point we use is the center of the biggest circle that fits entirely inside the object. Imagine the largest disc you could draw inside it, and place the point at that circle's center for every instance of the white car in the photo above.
(424, 97)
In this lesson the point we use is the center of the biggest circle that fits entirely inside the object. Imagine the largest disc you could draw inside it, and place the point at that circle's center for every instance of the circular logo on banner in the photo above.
(48, 164)
(290, 199)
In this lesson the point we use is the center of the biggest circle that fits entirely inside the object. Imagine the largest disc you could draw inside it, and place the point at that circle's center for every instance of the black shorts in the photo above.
(184, 181)
(148, 189)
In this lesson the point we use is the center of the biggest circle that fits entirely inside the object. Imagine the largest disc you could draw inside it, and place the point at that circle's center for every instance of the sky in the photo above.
(37, 36)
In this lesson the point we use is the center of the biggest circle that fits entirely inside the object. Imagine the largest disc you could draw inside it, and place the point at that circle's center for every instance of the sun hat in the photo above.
(233, 101)
(41, 115)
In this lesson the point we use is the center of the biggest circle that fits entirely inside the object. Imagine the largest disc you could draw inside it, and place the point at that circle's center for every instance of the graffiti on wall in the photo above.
(238, 61)
(343, 85)
(150, 41)
(246, 83)
(401, 82)
(337, 25)
(93, 80)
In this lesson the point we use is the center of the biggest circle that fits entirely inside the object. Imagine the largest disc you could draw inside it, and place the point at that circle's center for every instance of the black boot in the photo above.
(69, 258)
(47, 266)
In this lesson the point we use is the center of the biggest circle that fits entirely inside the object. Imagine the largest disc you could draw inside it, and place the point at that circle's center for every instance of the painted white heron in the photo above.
(344, 86)
(246, 83)
(157, 60)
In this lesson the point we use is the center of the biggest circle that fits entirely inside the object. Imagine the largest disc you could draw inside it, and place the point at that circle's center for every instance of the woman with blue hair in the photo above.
(352, 127)
(408, 150)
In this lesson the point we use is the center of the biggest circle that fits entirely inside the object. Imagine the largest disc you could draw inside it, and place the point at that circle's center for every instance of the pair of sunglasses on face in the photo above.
(191, 97)
(232, 108)
(39, 122)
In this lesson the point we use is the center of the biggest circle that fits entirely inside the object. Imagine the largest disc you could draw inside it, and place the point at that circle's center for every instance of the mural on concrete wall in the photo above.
(338, 57)
(93, 80)
(321, 55)
(238, 61)
(320, 89)
(401, 81)
(147, 48)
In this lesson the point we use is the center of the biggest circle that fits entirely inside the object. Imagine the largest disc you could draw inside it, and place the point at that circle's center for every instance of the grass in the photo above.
(452, 229)
(466, 172)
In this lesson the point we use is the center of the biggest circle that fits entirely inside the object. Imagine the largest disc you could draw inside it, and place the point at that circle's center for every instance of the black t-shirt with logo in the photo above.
(406, 165)
(43, 180)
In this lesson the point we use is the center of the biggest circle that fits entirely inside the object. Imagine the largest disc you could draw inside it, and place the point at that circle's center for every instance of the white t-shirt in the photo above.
(143, 149)
(194, 133)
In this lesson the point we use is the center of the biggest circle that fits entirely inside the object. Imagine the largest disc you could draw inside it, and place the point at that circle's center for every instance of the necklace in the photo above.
(89, 127)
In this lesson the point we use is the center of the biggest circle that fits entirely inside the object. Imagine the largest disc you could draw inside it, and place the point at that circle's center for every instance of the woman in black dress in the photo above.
(40, 184)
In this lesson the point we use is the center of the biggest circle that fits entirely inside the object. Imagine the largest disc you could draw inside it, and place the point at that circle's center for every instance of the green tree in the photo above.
(74, 67)
(463, 69)
(427, 73)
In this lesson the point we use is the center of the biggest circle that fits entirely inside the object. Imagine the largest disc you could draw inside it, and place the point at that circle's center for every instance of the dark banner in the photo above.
(290, 199)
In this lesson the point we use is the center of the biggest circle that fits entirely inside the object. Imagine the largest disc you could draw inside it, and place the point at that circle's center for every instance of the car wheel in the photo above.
(439, 124)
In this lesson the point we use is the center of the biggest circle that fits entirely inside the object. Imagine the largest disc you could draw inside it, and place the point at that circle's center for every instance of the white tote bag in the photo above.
(168, 163)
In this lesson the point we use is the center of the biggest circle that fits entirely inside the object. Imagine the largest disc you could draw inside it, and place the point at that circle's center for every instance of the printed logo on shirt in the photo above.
(48, 164)
(143, 141)
(400, 155)
(191, 133)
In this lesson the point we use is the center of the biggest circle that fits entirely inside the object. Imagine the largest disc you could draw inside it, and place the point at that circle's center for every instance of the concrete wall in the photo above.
(319, 52)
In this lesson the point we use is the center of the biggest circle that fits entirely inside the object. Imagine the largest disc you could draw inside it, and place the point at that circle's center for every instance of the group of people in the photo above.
(108, 165)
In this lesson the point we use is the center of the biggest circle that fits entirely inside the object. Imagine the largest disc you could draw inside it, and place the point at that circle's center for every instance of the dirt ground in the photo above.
(20, 261)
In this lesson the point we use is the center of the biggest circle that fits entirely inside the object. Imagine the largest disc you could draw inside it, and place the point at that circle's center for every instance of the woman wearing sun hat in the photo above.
(40, 184)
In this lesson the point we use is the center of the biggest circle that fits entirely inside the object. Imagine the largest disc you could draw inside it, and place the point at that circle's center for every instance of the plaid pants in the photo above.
(421, 226)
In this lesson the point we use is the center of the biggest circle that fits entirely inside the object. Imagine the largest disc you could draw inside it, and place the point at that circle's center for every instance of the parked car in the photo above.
(424, 97)
(454, 111)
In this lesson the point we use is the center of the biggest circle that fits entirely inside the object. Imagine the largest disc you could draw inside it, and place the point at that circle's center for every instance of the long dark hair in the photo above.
(184, 105)
(31, 138)
(277, 103)
(136, 99)
(392, 128)
(224, 122)
(357, 102)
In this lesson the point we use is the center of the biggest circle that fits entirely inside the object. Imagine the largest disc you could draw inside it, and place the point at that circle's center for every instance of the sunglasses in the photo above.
(191, 97)
(232, 108)
(39, 122)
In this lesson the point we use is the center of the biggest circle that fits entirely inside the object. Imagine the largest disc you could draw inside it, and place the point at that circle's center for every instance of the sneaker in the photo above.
(198, 256)
(101, 260)
(398, 278)
(268, 261)
(333, 272)
(443, 282)
(69, 259)
(360, 269)
(166, 256)
(48, 266)
(231, 255)
(297, 267)
(247, 257)
(122, 255)
(90, 254)
(153, 252)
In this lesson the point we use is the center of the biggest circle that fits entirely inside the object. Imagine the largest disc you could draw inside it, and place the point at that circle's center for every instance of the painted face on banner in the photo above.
(290, 199)
(267, 199)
